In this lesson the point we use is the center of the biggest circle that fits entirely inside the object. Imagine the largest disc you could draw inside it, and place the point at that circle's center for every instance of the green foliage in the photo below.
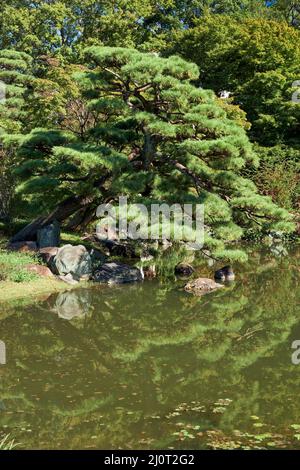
(288, 10)
(98, 122)
(257, 60)
(15, 74)
(65, 27)
(15, 80)
(279, 175)
(153, 131)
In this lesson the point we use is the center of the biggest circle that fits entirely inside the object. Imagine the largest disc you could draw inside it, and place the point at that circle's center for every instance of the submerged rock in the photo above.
(74, 260)
(49, 235)
(225, 274)
(117, 273)
(202, 286)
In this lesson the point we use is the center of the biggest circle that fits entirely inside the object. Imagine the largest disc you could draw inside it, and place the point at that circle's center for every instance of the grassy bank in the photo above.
(17, 283)
(11, 291)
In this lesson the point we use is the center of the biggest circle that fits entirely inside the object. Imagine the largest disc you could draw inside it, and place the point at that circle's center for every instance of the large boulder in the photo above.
(74, 260)
(117, 273)
(49, 235)
(202, 286)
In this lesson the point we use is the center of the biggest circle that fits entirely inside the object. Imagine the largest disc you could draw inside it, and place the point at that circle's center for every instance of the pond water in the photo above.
(150, 366)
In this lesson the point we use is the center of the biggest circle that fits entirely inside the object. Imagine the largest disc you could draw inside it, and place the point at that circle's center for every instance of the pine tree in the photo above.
(15, 79)
(156, 138)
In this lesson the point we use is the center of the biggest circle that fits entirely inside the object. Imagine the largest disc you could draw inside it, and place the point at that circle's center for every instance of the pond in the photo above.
(149, 366)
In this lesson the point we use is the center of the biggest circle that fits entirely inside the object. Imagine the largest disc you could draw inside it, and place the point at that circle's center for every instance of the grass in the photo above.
(7, 444)
(13, 266)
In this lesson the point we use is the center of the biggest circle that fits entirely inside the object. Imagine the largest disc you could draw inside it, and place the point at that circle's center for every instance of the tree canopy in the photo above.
(123, 98)
(152, 135)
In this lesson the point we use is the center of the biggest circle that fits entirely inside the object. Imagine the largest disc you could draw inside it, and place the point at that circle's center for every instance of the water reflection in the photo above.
(72, 304)
(122, 367)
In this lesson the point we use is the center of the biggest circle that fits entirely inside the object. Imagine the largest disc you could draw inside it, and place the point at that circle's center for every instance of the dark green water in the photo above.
(149, 366)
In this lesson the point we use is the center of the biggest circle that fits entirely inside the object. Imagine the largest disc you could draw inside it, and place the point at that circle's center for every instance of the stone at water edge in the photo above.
(225, 274)
(23, 247)
(202, 286)
(39, 269)
(117, 273)
(49, 235)
(68, 279)
(74, 260)
(97, 256)
(184, 269)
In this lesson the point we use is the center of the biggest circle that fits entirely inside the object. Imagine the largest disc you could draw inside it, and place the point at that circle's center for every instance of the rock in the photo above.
(74, 260)
(225, 274)
(49, 235)
(39, 269)
(184, 269)
(97, 256)
(202, 286)
(68, 278)
(117, 273)
(47, 254)
(124, 250)
(23, 247)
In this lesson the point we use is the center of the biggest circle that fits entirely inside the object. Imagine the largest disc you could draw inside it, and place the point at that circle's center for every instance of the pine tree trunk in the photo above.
(60, 213)
(148, 148)
(81, 219)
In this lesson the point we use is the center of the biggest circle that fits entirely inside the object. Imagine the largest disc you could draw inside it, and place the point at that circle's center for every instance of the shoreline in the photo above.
(11, 291)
